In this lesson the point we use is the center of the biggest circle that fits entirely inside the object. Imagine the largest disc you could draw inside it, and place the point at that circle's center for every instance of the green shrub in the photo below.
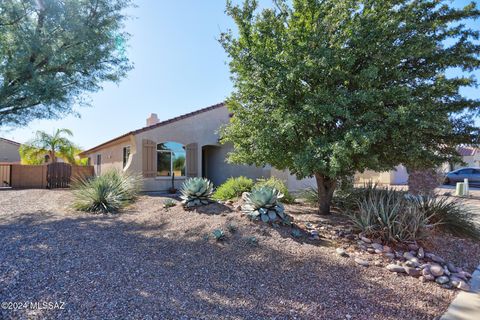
(107, 193)
(233, 188)
(262, 203)
(278, 184)
(450, 214)
(387, 214)
(196, 192)
(168, 203)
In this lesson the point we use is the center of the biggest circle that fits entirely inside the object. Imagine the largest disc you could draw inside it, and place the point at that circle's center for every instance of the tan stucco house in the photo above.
(9, 151)
(186, 146)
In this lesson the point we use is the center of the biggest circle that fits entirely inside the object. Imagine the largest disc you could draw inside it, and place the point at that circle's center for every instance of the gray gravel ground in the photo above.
(149, 263)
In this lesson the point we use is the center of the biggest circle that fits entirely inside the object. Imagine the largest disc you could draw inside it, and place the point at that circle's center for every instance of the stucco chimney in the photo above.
(153, 119)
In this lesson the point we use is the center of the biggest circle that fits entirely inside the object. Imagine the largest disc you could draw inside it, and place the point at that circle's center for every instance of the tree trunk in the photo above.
(326, 187)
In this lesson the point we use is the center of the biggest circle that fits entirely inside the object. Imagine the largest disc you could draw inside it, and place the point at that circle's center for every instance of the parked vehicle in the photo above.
(472, 174)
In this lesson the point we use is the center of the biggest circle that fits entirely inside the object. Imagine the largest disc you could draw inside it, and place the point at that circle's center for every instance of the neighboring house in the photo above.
(187, 146)
(470, 155)
(9, 150)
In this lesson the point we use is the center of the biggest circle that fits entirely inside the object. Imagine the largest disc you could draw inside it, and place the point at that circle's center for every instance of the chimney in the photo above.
(153, 119)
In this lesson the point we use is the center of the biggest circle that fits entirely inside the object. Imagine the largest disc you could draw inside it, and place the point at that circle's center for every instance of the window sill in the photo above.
(169, 178)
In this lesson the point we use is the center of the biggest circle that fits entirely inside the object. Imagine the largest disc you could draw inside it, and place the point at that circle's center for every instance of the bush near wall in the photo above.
(233, 188)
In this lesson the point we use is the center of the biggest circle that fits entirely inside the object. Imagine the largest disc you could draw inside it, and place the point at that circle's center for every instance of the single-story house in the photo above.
(470, 155)
(9, 151)
(184, 146)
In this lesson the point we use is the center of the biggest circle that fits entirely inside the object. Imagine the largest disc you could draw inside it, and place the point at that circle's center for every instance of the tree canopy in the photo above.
(327, 88)
(52, 51)
(56, 145)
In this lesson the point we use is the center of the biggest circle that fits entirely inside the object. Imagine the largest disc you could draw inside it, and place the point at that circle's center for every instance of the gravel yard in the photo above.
(150, 263)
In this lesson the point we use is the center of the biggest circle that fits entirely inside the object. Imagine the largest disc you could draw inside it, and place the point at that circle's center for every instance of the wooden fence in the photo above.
(57, 175)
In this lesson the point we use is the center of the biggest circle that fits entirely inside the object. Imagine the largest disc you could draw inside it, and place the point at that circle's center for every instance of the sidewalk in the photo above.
(466, 306)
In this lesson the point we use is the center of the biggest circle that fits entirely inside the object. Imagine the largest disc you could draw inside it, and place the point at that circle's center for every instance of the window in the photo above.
(466, 171)
(170, 159)
(99, 164)
(126, 155)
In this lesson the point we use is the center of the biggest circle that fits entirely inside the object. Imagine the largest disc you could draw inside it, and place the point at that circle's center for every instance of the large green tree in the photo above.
(52, 51)
(326, 88)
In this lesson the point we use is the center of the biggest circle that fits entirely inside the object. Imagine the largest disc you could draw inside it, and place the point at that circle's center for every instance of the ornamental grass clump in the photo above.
(262, 203)
(107, 193)
(390, 215)
(449, 214)
(196, 192)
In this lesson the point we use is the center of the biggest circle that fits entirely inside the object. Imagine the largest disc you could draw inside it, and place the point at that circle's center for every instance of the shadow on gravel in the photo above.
(116, 270)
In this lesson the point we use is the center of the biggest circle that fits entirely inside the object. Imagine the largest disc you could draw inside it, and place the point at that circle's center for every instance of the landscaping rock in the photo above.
(451, 267)
(442, 280)
(412, 264)
(421, 253)
(436, 270)
(389, 255)
(429, 277)
(387, 249)
(408, 255)
(378, 251)
(426, 272)
(395, 268)
(434, 258)
(377, 246)
(413, 272)
(413, 247)
(362, 262)
(370, 250)
(446, 271)
(366, 240)
(462, 285)
(341, 252)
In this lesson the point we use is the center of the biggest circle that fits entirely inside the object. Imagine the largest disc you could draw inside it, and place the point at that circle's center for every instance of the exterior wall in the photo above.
(293, 184)
(374, 177)
(112, 156)
(471, 161)
(218, 170)
(399, 175)
(9, 152)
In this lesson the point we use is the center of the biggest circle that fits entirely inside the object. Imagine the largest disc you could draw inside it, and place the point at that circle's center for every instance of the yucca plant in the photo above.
(107, 193)
(196, 192)
(450, 214)
(389, 215)
(262, 203)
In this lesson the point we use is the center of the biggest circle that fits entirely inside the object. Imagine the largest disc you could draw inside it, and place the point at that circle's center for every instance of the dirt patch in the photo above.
(150, 262)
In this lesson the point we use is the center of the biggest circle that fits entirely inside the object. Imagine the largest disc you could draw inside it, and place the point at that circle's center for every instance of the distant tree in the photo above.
(51, 146)
(326, 88)
(52, 51)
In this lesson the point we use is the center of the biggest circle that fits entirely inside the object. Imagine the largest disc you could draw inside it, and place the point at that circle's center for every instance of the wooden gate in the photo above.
(58, 175)
(5, 175)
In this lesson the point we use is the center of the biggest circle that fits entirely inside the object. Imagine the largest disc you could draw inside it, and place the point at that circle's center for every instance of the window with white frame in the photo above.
(126, 155)
(171, 159)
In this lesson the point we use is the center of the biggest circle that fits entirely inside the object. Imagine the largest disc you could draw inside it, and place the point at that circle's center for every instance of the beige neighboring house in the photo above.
(9, 151)
(187, 146)
(399, 176)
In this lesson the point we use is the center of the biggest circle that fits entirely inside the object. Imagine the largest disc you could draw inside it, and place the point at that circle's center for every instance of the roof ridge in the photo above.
(159, 124)
(10, 141)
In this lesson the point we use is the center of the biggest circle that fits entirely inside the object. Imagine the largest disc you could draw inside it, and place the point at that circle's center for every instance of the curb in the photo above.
(466, 306)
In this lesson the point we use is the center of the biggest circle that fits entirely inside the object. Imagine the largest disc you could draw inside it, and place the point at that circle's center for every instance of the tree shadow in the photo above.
(104, 267)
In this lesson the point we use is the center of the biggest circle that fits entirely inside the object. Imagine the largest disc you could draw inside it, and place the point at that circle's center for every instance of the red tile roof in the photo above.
(161, 123)
(466, 151)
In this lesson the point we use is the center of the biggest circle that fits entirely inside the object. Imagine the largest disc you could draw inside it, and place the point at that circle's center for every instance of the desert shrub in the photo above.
(389, 215)
(449, 214)
(233, 188)
(424, 182)
(218, 234)
(107, 193)
(262, 203)
(278, 184)
(196, 192)
(168, 203)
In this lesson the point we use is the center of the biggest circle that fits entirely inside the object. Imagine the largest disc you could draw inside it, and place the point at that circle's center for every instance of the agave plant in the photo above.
(262, 203)
(196, 192)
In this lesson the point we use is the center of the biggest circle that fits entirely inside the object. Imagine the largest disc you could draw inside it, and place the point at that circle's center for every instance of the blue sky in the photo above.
(179, 67)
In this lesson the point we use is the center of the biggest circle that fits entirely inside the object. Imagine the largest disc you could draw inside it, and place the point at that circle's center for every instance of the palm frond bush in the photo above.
(233, 188)
(107, 193)
(450, 214)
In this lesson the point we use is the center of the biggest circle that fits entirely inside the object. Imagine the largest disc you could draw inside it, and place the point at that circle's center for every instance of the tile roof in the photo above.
(161, 123)
(466, 151)
(9, 141)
